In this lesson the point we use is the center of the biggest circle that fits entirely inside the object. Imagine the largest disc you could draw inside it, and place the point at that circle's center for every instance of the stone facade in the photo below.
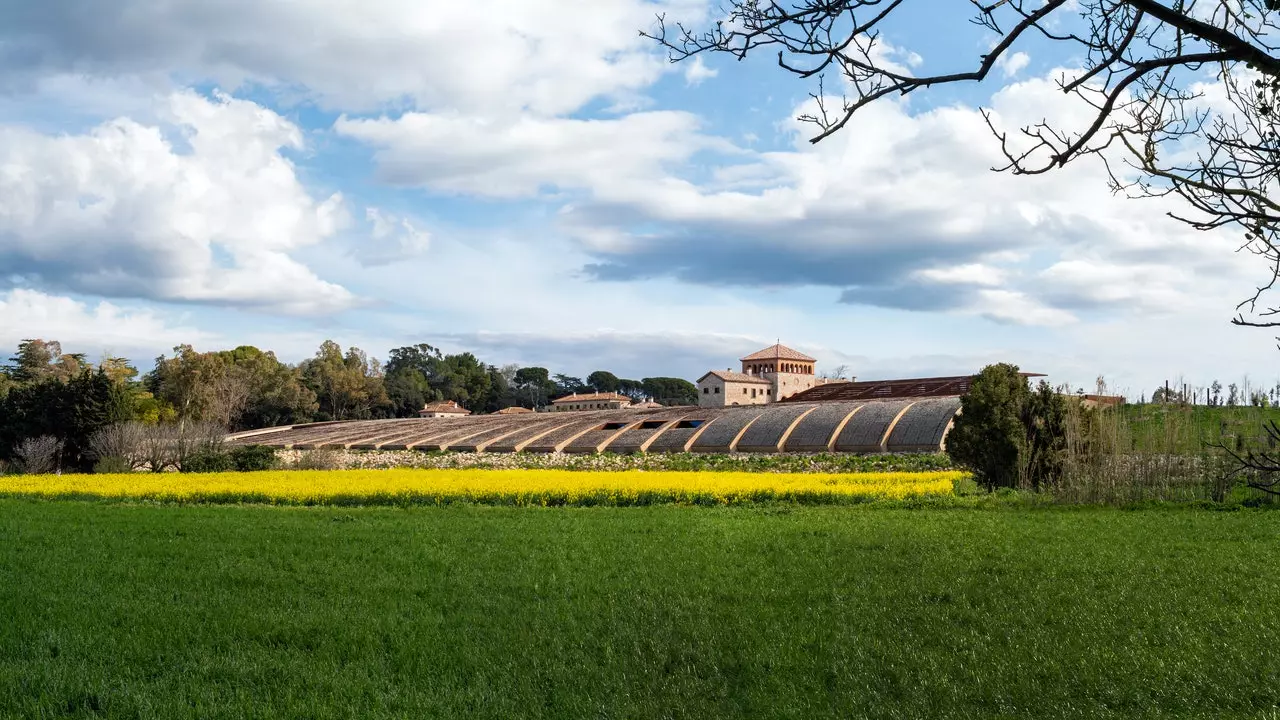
(768, 375)
(591, 401)
(725, 388)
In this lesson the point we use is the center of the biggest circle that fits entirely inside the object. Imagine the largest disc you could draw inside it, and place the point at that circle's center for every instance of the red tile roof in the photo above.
(778, 352)
(592, 397)
(515, 410)
(731, 376)
(444, 406)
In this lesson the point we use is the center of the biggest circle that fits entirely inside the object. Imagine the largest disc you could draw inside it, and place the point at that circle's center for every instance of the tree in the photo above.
(1143, 65)
(670, 391)
(1045, 419)
(567, 385)
(71, 411)
(535, 386)
(633, 389)
(275, 394)
(347, 386)
(603, 381)
(989, 436)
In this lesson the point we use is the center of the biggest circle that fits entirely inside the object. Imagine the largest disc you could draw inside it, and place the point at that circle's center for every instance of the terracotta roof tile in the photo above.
(593, 397)
(778, 352)
(515, 410)
(731, 376)
(444, 406)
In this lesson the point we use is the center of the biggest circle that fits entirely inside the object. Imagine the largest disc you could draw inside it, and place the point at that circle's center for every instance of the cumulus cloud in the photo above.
(1013, 63)
(914, 220)
(204, 208)
(483, 55)
(522, 156)
(391, 239)
(696, 71)
(84, 327)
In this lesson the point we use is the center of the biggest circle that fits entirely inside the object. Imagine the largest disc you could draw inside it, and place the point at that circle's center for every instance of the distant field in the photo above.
(123, 610)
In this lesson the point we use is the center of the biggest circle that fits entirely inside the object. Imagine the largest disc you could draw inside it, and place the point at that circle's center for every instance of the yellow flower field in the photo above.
(496, 487)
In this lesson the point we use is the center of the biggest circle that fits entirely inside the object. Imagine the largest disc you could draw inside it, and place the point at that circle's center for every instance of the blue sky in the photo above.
(538, 185)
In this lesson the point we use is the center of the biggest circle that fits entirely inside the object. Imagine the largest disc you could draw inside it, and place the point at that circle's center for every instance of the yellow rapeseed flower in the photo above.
(498, 487)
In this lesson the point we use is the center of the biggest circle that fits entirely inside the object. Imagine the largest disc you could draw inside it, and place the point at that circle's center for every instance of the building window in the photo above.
(706, 391)
(717, 391)
(744, 391)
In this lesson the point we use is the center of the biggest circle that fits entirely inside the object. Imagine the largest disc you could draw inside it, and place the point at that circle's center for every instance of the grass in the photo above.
(124, 610)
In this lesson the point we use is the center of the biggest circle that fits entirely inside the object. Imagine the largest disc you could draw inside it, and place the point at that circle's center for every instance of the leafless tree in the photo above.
(1144, 69)
(1255, 467)
(126, 441)
(165, 447)
(39, 455)
(836, 373)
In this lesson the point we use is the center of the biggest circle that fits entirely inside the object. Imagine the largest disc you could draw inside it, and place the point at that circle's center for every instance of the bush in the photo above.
(120, 443)
(39, 455)
(1006, 434)
(253, 457)
(111, 465)
(318, 459)
(207, 461)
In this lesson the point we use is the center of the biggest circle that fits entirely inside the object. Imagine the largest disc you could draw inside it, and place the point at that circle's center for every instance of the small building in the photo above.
(1100, 401)
(442, 409)
(720, 388)
(513, 410)
(769, 375)
(647, 405)
(591, 401)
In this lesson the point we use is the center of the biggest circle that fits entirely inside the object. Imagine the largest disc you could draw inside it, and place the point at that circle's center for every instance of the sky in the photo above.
(532, 181)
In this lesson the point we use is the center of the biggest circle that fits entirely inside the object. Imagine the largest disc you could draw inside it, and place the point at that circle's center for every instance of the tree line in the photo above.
(48, 393)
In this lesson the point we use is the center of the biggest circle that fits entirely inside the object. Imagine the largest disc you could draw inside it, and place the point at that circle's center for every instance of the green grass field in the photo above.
(122, 610)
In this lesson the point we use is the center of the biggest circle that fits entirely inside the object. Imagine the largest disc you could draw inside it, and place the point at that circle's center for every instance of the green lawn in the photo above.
(240, 611)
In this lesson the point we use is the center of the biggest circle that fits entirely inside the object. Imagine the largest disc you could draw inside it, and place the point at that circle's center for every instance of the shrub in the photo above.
(39, 455)
(318, 459)
(111, 465)
(1008, 435)
(253, 457)
(207, 461)
(120, 443)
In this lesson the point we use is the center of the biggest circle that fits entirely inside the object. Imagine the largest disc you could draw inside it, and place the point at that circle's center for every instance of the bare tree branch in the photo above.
(1144, 69)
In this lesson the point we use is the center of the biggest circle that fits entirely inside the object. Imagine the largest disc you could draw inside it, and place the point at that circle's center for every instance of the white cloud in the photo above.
(203, 209)
(392, 238)
(522, 156)
(915, 220)
(485, 56)
(82, 327)
(696, 71)
(1013, 63)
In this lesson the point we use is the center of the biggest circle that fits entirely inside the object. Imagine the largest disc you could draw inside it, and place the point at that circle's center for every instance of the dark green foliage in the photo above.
(207, 461)
(989, 436)
(248, 458)
(568, 385)
(603, 381)
(71, 410)
(670, 391)
(1008, 435)
(777, 611)
(112, 465)
(1045, 418)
